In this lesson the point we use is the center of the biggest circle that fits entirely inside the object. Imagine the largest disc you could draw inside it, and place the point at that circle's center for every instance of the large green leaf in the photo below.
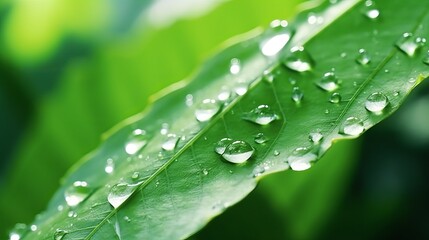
(176, 192)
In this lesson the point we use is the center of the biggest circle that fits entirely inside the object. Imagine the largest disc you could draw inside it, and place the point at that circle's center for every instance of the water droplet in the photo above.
(136, 141)
(313, 19)
(274, 44)
(259, 170)
(426, 58)
(396, 93)
(224, 94)
(352, 126)
(315, 137)
(370, 10)
(60, 208)
(297, 95)
(206, 110)
(335, 98)
(235, 66)
(135, 175)
(241, 88)
(410, 44)
(72, 214)
(189, 100)
(326, 111)
(376, 102)
(238, 152)
(268, 76)
(110, 166)
(276, 153)
(127, 219)
(222, 144)
(261, 115)
(260, 138)
(343, 55)
(329, 82)
(18, 231)
(205, 172)
(170, 142)
(164, 129)
(299, 60)
(120, 192)
(59, 234)
(301, 159)
(76, 193)
(33, 228)
(363, 58)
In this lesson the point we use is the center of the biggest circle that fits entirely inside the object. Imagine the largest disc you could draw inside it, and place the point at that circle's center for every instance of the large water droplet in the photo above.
(315, 137)
(274, 44)
(18, 231)
(297, 95)
(335, 98)
(76, 193)
(136, 141)
(329, 82)
(206, 110)
(110, 166)
(376, 102)
(235, 66)
(260, 138)
(120, 192)
(370, 10)
(59, 234)
(410, 44)
(170, 142)
(299, 60)
(363, 58)
(301, 159)
(261, 115)
(352, 126)
(238, 152)
(222, 144)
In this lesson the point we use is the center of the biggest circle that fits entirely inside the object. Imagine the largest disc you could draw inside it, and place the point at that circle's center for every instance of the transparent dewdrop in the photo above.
(297, 95)
(238, 152)
(110, 166)
(279, 35)
(235, 66)
(18, 231)
(222, 144)
(262, 115)
(260, 138)
(335, 98)
(329, 82)
(370, 10)
(59, 234)
(376, 102)
(170, 142)
(241, 88)
(301, 159)
(315, 137)
(363, 57)
(352, 126)
(409, 44)
(77, 193)
(314, 19)
(136, 141)
(120, 192)
(299, 60)
(206, 110)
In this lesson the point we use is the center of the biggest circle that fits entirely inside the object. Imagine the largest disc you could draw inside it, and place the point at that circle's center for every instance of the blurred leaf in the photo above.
(176, 183)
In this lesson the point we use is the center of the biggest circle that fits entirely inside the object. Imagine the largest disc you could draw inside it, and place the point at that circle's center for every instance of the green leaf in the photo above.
(172, 193)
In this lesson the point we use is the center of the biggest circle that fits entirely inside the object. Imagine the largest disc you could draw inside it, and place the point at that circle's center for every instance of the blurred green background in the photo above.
(70, 70)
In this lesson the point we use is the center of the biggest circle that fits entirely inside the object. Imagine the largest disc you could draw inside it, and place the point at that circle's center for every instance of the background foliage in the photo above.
(69, 71)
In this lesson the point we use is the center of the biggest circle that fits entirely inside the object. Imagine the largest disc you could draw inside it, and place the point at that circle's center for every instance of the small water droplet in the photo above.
(410, 44)
(343, 55)
(259, 170)
(313, 19)
(352, 126)
(329, 82)
(60, 208)
(261, 115)
(206, 110)
(268, 76)
(276, 153)
(297, 95)
(59, 234)
(299, 60)
(127, 219)
(326, 111)
(136, 141)
(370, 10)
(33, 228)
(224, 94)
(170, 142)
(301, 159)
(260, 138)
(235, 66)
(280, 34)
(238, 152)
(315, 137)
(426, 58)
(72, 214)
(376, 102)
(363, 58)
(76, 193)
(241, 88)
(18, 231)
(335, 98)
(110, 166)
(120, 192)
(205, 172)
(386, 70)
(189, 100)
(222, 144)
(135, 175)
(396, 93)
(164, 129)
